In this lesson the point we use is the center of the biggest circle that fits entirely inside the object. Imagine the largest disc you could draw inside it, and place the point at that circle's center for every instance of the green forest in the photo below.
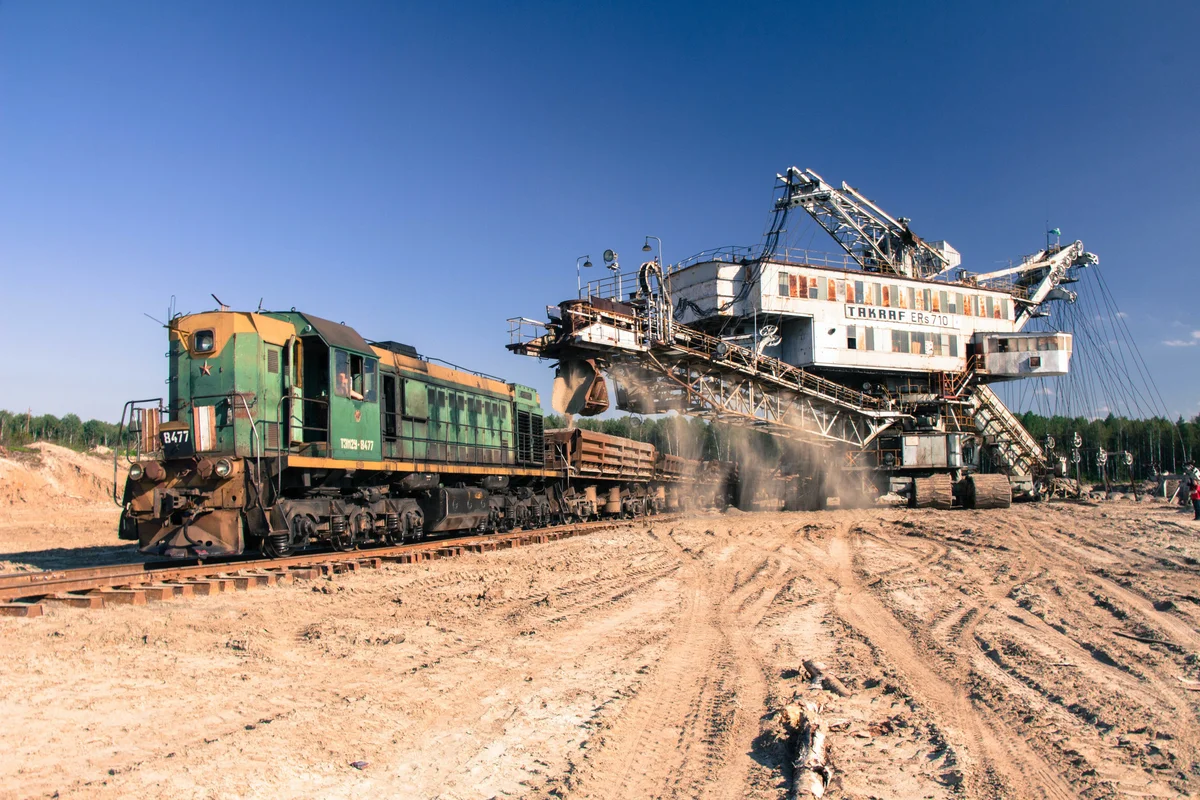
(20, 430)
(1155, 444)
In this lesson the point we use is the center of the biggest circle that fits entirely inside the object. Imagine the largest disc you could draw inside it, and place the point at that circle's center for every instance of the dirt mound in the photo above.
(51, 475)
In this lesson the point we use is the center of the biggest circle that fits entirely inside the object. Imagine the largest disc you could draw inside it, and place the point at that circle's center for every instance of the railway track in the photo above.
(27, 593)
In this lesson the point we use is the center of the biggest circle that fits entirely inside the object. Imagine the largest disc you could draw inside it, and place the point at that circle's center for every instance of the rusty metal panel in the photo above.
(148, 421)
(677, 468)
(599, 455)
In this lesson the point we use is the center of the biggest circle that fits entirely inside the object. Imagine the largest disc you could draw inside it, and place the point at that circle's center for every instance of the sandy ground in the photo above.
(989, 654)
(57, 511)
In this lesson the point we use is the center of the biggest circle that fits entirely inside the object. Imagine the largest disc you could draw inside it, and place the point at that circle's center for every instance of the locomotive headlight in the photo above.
(136, 472)
(223, 468)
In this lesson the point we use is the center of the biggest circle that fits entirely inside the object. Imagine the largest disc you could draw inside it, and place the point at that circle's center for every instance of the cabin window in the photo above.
(953, 345)
(992, 311)
(851, 337)
(900, 341)
(793, 286)
(939, 301)
(870, 337)
(812, 288)
(1004, 308)
(355, 376)
(783, 284)
(910, 295)
(832, 290)
(853, 291)
(936, 339)
(918, 343)
(887, 296)
(955, 305)
(202, 341)
(878, 292)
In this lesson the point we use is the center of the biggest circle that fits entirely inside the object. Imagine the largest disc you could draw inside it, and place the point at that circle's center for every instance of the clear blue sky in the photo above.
(424, 171)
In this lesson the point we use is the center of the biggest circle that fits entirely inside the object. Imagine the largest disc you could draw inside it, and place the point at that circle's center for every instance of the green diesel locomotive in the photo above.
(283, 431)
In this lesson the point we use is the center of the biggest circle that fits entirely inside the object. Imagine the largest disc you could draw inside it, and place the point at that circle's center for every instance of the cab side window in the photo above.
(354, 376)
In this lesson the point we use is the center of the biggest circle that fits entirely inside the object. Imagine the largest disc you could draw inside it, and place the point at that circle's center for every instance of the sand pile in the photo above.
(52, 476)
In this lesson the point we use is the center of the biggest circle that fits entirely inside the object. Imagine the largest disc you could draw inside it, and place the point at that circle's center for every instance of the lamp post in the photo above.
(578, 276)
(646, 248)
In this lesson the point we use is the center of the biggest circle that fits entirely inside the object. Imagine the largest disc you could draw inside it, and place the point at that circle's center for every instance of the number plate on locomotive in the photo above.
(177, 444)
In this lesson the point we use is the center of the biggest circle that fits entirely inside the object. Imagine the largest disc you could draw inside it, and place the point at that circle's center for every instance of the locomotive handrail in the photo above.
(281, 449)
(130, 406)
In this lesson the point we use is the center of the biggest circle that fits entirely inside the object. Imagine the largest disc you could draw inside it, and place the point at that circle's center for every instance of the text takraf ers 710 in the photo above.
(901, 315)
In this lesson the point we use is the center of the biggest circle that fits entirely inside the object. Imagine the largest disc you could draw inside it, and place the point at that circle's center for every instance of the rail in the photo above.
(94, 587)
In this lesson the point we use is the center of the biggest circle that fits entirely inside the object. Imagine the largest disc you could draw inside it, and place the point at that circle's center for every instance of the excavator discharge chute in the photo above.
(579, 388)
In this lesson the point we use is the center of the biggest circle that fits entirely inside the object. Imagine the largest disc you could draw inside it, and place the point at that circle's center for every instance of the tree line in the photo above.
(1156, 445)
(21, 429)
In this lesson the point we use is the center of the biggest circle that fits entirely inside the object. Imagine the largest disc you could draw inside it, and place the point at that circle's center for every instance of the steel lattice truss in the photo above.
(877, 242)
(701, 388)
(675, 368)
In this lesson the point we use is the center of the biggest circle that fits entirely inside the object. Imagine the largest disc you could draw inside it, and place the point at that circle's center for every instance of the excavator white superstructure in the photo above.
(883, 354)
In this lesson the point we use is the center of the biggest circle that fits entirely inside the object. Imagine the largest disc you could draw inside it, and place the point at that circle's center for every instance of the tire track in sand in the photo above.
(1016, 766)
(675, 737)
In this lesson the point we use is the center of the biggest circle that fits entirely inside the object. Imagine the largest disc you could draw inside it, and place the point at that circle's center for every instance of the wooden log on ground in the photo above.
(987, 491)
(810, 769)
(936, 491)
(820, 678)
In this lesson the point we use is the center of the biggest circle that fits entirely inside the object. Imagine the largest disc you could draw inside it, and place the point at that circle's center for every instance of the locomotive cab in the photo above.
(243, 389)
(189, 480)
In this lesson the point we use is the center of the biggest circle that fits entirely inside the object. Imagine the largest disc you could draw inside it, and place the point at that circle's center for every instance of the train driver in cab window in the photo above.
(348, 384)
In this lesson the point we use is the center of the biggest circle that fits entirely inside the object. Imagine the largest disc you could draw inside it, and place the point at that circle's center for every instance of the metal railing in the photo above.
(792, 256)
(735, 357)
(522, 330)
(125, 430)
(619, 286)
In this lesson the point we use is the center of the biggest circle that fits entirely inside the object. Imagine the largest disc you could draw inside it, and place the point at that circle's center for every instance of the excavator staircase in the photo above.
(1018, 452)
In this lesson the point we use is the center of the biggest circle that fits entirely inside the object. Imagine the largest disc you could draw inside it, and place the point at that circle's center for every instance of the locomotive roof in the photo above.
(336, 334)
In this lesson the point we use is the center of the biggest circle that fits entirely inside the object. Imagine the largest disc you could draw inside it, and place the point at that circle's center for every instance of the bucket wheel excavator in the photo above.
(877, 360)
